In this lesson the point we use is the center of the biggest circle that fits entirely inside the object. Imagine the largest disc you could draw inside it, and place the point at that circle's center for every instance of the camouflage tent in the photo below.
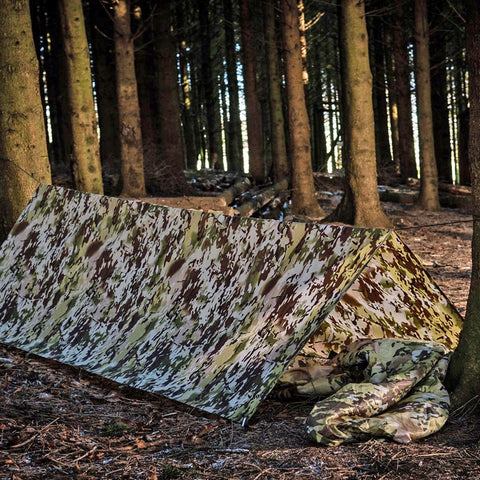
(206, 309)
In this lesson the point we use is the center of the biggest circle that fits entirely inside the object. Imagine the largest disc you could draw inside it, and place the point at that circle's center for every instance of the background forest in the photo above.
(138, 98)
(136, 92)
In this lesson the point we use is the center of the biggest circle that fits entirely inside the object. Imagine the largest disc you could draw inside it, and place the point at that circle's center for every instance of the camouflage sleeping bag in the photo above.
(381, 388)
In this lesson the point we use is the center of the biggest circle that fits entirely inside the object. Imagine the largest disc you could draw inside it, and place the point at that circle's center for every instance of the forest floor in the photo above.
(58, 422)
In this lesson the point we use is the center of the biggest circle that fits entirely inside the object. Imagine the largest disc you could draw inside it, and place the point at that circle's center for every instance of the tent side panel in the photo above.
(205, 309)
(393, 297)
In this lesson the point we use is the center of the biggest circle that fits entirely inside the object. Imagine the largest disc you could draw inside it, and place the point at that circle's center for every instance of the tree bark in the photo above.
(304, 201)
(406, 149)
(361, 201)
(281, 167)
(210, 86)
(171, 152)
(234, 129)
(382, 141)
(23, 146)
(438, 77)
(254, 114)
(191, 151)
(428, 168)
(131, 148)
(85, 148)
(464, 369)
(104, 71)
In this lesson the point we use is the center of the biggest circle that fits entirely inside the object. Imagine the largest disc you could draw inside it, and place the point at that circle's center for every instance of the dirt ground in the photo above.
(57, 422)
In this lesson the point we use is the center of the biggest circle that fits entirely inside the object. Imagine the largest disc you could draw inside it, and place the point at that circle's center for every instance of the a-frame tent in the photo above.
(205, 309)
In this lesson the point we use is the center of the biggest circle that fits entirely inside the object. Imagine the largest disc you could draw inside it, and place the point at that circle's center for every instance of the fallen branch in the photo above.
(248, 208)
(236, 189)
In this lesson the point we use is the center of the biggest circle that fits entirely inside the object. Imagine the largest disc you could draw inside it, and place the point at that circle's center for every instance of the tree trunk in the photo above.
(464, 369)
(133, 179)
(104, 71)
(392, 99)
(210, 87)
(191, 152)
(382, 141)
(23, 146)
(85, 151)
(428, 168)
(145, 57)
(361, 201)
(438, 77)
(304, 201)
(406, 151)
(171, 152)
(281, 167)
(254, 113)
(234, 130)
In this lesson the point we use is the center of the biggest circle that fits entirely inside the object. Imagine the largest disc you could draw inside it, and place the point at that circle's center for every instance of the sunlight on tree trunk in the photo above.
(23, 145)
(304, 201)
(85, 144)
(361, 202)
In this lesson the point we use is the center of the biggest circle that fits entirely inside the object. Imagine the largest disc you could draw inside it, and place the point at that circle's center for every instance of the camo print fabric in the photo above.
(398, 392)
(206, 309)
(393, 297)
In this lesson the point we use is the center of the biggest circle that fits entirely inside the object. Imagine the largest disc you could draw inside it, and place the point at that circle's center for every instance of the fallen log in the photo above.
(248, 208)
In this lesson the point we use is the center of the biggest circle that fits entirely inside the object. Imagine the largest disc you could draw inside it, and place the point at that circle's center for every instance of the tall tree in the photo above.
(104, 72)
(464, 369)
(234, 130)
(254, 113)
(438, 76)
(361, 202)
(281, 167)
(131, 149)
(428, 168)
(382, 141)
(23, 145)
(172, 152)
(210, 85)
(303, 189)
(406, 150)
(186, 102)
(85, 147)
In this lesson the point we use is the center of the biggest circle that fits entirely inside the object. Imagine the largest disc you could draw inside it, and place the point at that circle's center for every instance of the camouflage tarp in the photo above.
(383, 388)
(203, 308)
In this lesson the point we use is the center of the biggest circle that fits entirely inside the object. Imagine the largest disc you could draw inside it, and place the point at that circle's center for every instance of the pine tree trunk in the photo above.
(172, 152)
(464, 369)
(361, 170)
(406, 151)
(438, 76)
(131, 148)
(85, 153)
(382, 141)
(428, 168)
(281, 167)
(392, 99)
(104, 71)
(210, 88)
(186, 103)
(23, 146)
(234, 130)
(145, 57)
(254, 113)
(304, 201)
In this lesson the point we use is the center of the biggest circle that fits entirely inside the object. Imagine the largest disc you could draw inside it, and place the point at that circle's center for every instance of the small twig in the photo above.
(31, 439)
